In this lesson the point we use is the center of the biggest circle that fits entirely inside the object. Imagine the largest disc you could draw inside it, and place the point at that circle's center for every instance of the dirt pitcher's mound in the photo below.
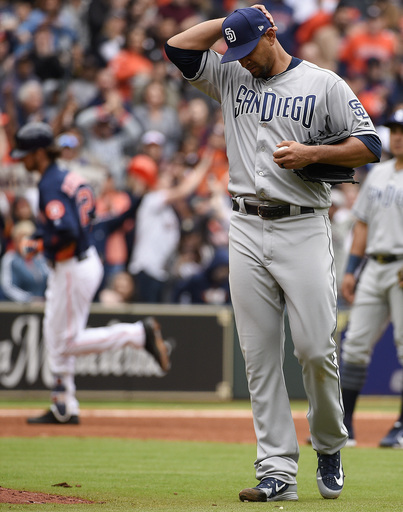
(36, 498)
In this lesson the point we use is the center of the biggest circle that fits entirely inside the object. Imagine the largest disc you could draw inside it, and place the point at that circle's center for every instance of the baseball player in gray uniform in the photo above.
(280, 240)
(378, 296)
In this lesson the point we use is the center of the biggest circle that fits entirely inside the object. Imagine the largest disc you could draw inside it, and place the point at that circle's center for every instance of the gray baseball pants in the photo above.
(287, 262)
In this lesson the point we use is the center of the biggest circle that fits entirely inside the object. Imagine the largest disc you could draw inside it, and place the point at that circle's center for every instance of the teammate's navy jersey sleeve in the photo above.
(188, 61)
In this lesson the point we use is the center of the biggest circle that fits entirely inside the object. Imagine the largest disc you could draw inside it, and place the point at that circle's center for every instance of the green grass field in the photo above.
(127, 475)
(131, 475)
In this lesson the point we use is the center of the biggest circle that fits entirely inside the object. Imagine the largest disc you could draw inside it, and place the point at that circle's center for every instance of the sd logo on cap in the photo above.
(242, 31)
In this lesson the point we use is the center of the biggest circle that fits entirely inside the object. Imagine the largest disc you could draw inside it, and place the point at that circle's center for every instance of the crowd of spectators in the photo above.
(152, 146)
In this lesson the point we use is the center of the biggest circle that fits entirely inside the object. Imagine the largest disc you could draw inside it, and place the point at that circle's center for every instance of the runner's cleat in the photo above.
(155, 344)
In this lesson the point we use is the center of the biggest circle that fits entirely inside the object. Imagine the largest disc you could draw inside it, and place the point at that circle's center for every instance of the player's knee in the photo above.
(355, 355)
(316, 361)
(311, 355)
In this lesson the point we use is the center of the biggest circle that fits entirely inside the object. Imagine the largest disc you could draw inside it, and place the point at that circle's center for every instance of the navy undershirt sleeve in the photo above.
(188, 61)
(373, 143)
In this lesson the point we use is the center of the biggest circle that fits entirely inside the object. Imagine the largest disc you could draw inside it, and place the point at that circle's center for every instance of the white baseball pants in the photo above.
(72, 285)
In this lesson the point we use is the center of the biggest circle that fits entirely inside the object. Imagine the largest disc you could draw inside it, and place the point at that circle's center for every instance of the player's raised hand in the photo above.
(400, 277)
(266, 13)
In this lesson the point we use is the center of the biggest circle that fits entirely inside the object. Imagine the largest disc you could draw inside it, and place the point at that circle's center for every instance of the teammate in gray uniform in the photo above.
(280, 240)
(378, 296)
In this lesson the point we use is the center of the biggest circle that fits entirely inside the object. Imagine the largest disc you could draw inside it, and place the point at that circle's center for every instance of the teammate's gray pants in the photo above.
(378, 300)
(287, 261)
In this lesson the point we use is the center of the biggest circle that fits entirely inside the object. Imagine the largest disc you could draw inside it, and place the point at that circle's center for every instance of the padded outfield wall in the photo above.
(206, 360)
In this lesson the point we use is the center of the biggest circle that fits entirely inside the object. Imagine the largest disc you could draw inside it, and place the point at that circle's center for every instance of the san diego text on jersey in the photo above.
(269, 105)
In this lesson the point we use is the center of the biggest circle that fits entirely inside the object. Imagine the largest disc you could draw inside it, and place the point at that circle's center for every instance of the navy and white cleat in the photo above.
(394, 438)
(270, 489)
(330, 476)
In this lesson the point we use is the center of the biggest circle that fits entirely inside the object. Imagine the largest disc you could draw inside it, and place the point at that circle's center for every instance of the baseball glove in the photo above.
(327, 173)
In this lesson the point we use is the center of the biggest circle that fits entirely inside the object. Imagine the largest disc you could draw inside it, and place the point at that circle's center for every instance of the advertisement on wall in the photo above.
(198, 340)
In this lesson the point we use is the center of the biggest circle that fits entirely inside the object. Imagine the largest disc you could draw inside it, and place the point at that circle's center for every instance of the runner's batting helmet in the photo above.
(31, 137)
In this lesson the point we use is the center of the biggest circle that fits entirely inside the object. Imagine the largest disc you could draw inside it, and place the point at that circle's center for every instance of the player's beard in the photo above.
(260, 71)
(31, 162)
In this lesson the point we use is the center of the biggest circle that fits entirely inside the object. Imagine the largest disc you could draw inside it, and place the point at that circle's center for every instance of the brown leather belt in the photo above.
(271, 212)
(385, 258)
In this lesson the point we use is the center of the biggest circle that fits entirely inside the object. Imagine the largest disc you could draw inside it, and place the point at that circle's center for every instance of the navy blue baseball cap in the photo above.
(242, 30)
(395, 119)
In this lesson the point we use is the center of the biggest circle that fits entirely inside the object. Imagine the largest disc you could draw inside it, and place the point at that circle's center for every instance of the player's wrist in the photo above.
(353, 262)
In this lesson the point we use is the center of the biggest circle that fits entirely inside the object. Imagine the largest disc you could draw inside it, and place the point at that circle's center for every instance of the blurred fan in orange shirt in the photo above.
(219, 165)
(372, 40)
(131, 62)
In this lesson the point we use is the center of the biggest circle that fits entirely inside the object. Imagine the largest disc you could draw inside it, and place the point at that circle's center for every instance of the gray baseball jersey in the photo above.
(380, 205)
(293, 105)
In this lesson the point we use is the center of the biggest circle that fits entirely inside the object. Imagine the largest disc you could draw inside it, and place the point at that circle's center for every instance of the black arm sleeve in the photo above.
(188, 61)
